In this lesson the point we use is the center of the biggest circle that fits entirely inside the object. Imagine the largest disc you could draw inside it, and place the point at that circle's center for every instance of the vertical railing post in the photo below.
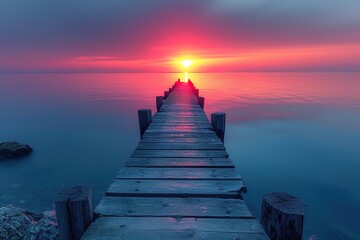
(166, 94)
(218, 121)
(74, 212)
(282, 216)
(159, 102)
(201, 102)
(144, 120)
(196, 92)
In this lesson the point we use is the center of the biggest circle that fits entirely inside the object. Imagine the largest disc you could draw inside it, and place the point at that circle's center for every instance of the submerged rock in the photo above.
(16, 223)
(14, 150)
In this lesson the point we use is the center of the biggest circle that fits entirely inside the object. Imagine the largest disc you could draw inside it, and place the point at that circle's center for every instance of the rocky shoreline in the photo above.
(16, 224)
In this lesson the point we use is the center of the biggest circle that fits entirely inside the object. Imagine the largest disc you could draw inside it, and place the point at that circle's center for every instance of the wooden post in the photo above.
(201, 102)
(170, 90)
(166, 94)
(159, 102)
(196, 92)
(218, 120)
(178, 80)
(282, 216)
(144, 120)
(74, 212)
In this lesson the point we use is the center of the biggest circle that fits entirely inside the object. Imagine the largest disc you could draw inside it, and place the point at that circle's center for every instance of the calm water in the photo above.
(292, 132)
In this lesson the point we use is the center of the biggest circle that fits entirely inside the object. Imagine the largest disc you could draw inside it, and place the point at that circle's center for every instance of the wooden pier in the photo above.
(179, 182)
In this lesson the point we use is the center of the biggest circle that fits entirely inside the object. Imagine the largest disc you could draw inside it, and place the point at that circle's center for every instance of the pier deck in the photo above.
(179, 183)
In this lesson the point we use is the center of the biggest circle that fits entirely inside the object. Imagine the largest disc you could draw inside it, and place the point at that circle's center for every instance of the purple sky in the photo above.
(143, 35)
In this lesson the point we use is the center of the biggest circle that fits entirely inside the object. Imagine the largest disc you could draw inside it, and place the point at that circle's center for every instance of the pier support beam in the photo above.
(196, 92)
(159, 102)
(166, 94)
(282, 216)
(144, 120)
(201, 102)
(74, 212)
(218, 121)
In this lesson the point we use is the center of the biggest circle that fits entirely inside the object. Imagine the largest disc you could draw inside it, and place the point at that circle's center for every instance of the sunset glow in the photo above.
(220, 36)
(186, 63)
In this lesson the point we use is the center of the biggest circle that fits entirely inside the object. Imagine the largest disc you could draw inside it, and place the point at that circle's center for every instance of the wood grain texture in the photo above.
(172, 207)
(178, 184)
(180, 153)
(178, 173)
(177, 188)
(152, 228)
(180, 146)
(180, 162)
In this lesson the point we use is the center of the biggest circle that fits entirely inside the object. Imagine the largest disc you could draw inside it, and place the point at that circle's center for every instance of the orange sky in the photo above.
(93, 36)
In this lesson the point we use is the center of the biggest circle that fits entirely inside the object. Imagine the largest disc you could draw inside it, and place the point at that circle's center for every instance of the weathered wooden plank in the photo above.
(177, 121)
(181, 140)
(180, 162)
(174, 107)
(178, 173)
(177, 188)
(180, 153)
(172, 207)
(174, 127)
(154, 228)
(184, 146)
(181, 124)
(172, 115)
(180, 135)
(180, 130)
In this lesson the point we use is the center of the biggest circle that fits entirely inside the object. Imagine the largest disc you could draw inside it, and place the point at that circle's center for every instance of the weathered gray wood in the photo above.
(63, 219)
(144, 120)
(180, 135)
(179, 183)
(178, 173)
(201, 101)
(172, 207)
(177, 188)
(282, 216)
(211, 140)
(180, 153)
(189, 113)
(154, 129)
(154, 228)
(180, 146)
(80, 216)
(180, 162)
(218, 121)
(179, 127)
(159, 102)
(179, 122)
(74, 212)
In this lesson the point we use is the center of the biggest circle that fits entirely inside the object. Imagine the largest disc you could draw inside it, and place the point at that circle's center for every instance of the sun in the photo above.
(186, 63)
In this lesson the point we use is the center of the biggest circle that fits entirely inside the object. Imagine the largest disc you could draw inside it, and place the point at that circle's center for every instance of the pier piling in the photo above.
(282, 216)
(74, 212)
(144, 120)
(218, 121)
(159, 102)
(201, 101)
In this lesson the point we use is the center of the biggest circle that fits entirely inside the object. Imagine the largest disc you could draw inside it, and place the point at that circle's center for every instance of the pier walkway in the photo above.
(179, 182)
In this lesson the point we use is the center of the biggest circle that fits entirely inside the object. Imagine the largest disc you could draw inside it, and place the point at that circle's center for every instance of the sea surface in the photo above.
(292, 132)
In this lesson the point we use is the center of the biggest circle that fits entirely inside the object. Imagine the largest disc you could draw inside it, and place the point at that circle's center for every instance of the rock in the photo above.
(16, 223)
(14, 150)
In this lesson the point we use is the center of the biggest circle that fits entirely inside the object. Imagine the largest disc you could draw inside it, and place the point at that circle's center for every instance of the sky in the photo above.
(154, 36)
